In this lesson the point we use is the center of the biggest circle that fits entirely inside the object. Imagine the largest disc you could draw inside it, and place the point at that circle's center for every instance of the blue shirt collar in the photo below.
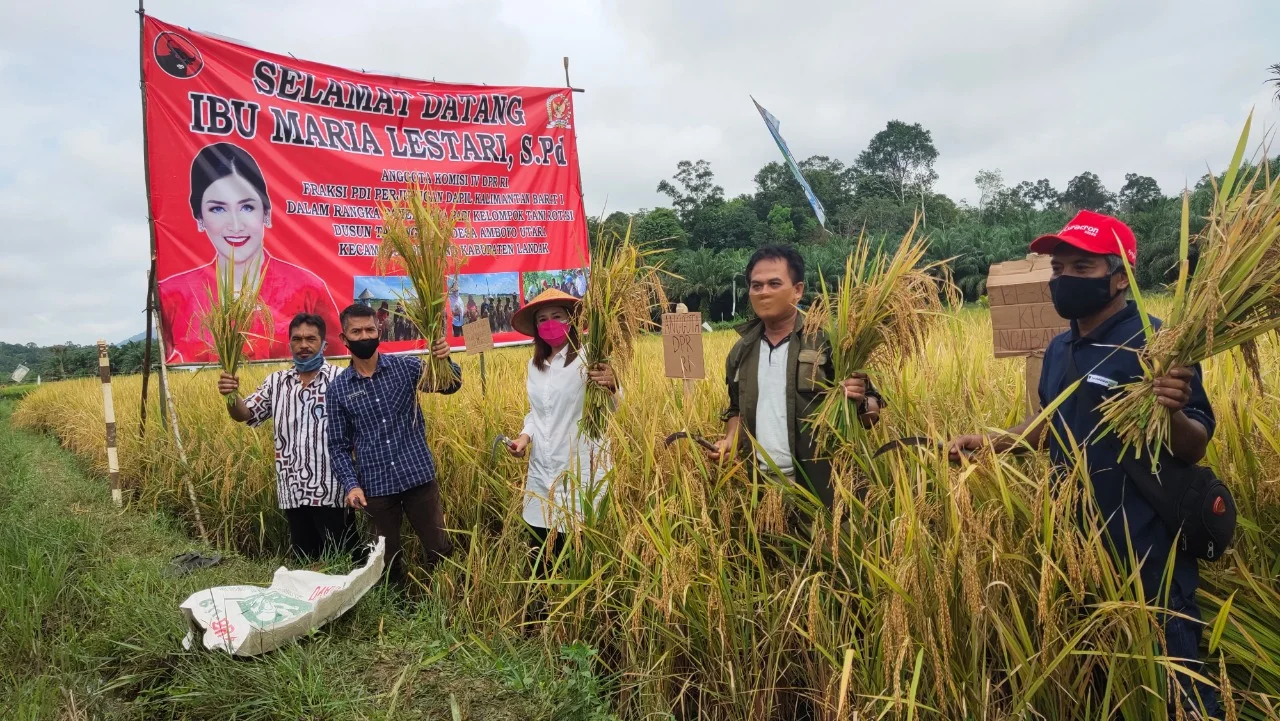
(1128, 312)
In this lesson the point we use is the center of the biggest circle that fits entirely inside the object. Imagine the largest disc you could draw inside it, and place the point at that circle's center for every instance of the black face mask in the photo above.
(363, 349)
(1075, 297)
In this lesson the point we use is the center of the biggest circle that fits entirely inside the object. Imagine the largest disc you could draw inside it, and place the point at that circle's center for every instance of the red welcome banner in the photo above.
(275, 167)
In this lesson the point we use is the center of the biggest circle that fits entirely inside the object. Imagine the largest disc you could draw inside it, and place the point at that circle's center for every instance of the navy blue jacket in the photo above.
(1106, 358)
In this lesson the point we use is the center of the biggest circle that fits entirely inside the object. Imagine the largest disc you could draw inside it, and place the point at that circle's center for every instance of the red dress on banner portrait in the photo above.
(287, 290)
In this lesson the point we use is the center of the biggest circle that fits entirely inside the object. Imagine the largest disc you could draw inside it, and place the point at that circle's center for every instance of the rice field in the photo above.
(952, 592)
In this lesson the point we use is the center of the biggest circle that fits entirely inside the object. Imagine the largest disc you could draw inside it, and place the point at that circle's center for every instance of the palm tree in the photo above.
(706, 274)
(1275, 79)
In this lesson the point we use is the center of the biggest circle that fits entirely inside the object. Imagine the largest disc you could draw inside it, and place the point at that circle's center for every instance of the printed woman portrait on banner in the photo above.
(231, 206)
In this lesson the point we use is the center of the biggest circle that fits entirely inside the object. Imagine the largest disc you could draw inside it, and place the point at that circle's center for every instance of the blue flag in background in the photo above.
(773, 123)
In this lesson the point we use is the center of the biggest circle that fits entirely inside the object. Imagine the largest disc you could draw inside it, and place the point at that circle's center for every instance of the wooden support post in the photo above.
(163, 379)
(153, 295)
(1034, 363)
(109, 414)
(182, 453)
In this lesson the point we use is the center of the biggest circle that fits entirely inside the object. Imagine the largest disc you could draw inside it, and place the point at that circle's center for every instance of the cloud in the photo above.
(1047, 89)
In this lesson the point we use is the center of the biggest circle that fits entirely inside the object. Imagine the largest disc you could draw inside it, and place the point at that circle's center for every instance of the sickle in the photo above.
(917, 441)
(493, 449)
(696, 439)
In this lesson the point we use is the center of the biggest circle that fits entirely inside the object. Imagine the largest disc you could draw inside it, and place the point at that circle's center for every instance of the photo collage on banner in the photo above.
(276, 167)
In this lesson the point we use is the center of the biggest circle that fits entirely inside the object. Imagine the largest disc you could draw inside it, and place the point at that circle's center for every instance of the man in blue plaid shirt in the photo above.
(374, 416)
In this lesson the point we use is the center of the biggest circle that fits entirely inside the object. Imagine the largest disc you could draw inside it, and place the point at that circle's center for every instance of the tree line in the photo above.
(881, 193)
(70, 360)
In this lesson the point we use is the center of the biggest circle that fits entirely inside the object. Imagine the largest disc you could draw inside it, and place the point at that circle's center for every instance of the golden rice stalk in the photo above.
(883, 304)
(1233, 300)
(418, 242)
(623, 287)
(231, 315)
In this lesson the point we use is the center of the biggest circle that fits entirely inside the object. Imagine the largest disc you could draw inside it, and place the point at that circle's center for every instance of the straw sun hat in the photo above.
(524, 319)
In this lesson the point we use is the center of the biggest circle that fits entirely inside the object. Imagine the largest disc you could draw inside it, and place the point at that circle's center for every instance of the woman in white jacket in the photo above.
(566, 469)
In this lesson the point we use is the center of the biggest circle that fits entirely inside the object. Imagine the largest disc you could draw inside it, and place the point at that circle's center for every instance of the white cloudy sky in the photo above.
(1046, 88)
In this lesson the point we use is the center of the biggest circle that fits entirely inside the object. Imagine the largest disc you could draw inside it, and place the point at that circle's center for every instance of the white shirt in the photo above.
(304, 476)
(455, 308)
(560, 458)
(772, 435)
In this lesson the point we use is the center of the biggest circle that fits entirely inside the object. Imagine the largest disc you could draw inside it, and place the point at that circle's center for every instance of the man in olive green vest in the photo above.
(777, 377)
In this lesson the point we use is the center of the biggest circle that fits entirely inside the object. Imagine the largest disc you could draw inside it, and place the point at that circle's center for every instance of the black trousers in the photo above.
(315, 530)
(549, 553)
(422, 506)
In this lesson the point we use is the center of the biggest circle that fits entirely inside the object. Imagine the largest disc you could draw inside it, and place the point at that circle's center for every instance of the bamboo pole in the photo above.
(153, 297)
(109, 415)
(163, 385)
(182, 453)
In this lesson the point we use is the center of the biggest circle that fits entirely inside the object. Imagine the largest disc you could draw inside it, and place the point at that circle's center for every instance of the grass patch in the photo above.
(90, 628)
(16, 392)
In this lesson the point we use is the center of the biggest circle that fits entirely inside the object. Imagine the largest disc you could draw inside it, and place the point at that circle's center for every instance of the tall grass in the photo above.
(949, 593)
(623, 291)
(882, 308)
(1231, 301)
(232, 316)
(418, 241)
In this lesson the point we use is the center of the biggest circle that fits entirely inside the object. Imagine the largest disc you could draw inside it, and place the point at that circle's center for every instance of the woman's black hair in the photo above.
(216, 162)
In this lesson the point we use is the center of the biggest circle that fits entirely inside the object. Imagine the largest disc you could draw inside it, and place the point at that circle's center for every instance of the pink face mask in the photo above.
(554, 332)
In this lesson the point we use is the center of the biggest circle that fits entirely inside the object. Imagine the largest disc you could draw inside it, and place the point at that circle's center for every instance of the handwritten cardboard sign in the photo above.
(478, 336)
(1023, 320)
(682, 345)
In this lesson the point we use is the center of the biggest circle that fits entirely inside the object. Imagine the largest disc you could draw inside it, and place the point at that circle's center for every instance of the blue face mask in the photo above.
(310, 364)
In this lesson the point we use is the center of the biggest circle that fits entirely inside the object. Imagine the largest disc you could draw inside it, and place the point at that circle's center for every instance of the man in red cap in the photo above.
(1089, 286)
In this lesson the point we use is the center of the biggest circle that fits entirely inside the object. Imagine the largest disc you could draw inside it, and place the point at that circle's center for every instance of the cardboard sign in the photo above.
(478, 336)
(19, 373)
(682, 345)
(1023, 320)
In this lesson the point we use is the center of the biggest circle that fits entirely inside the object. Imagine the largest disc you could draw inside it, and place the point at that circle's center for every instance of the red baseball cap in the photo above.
(1093, 233)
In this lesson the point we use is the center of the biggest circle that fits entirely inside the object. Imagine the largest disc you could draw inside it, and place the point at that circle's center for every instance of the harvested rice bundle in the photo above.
(231, 316)
(623, 286)
(418, 241)
(1233, 299)
(883, 303)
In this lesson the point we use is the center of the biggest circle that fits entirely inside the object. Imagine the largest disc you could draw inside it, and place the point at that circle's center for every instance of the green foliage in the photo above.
(70, 360)
(900, 158)
(1139, 193)
(659, 227)
(881, 194)
(1086, 192)
(696, 190)
(781, 227)
(16, 392)
(724, 225)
